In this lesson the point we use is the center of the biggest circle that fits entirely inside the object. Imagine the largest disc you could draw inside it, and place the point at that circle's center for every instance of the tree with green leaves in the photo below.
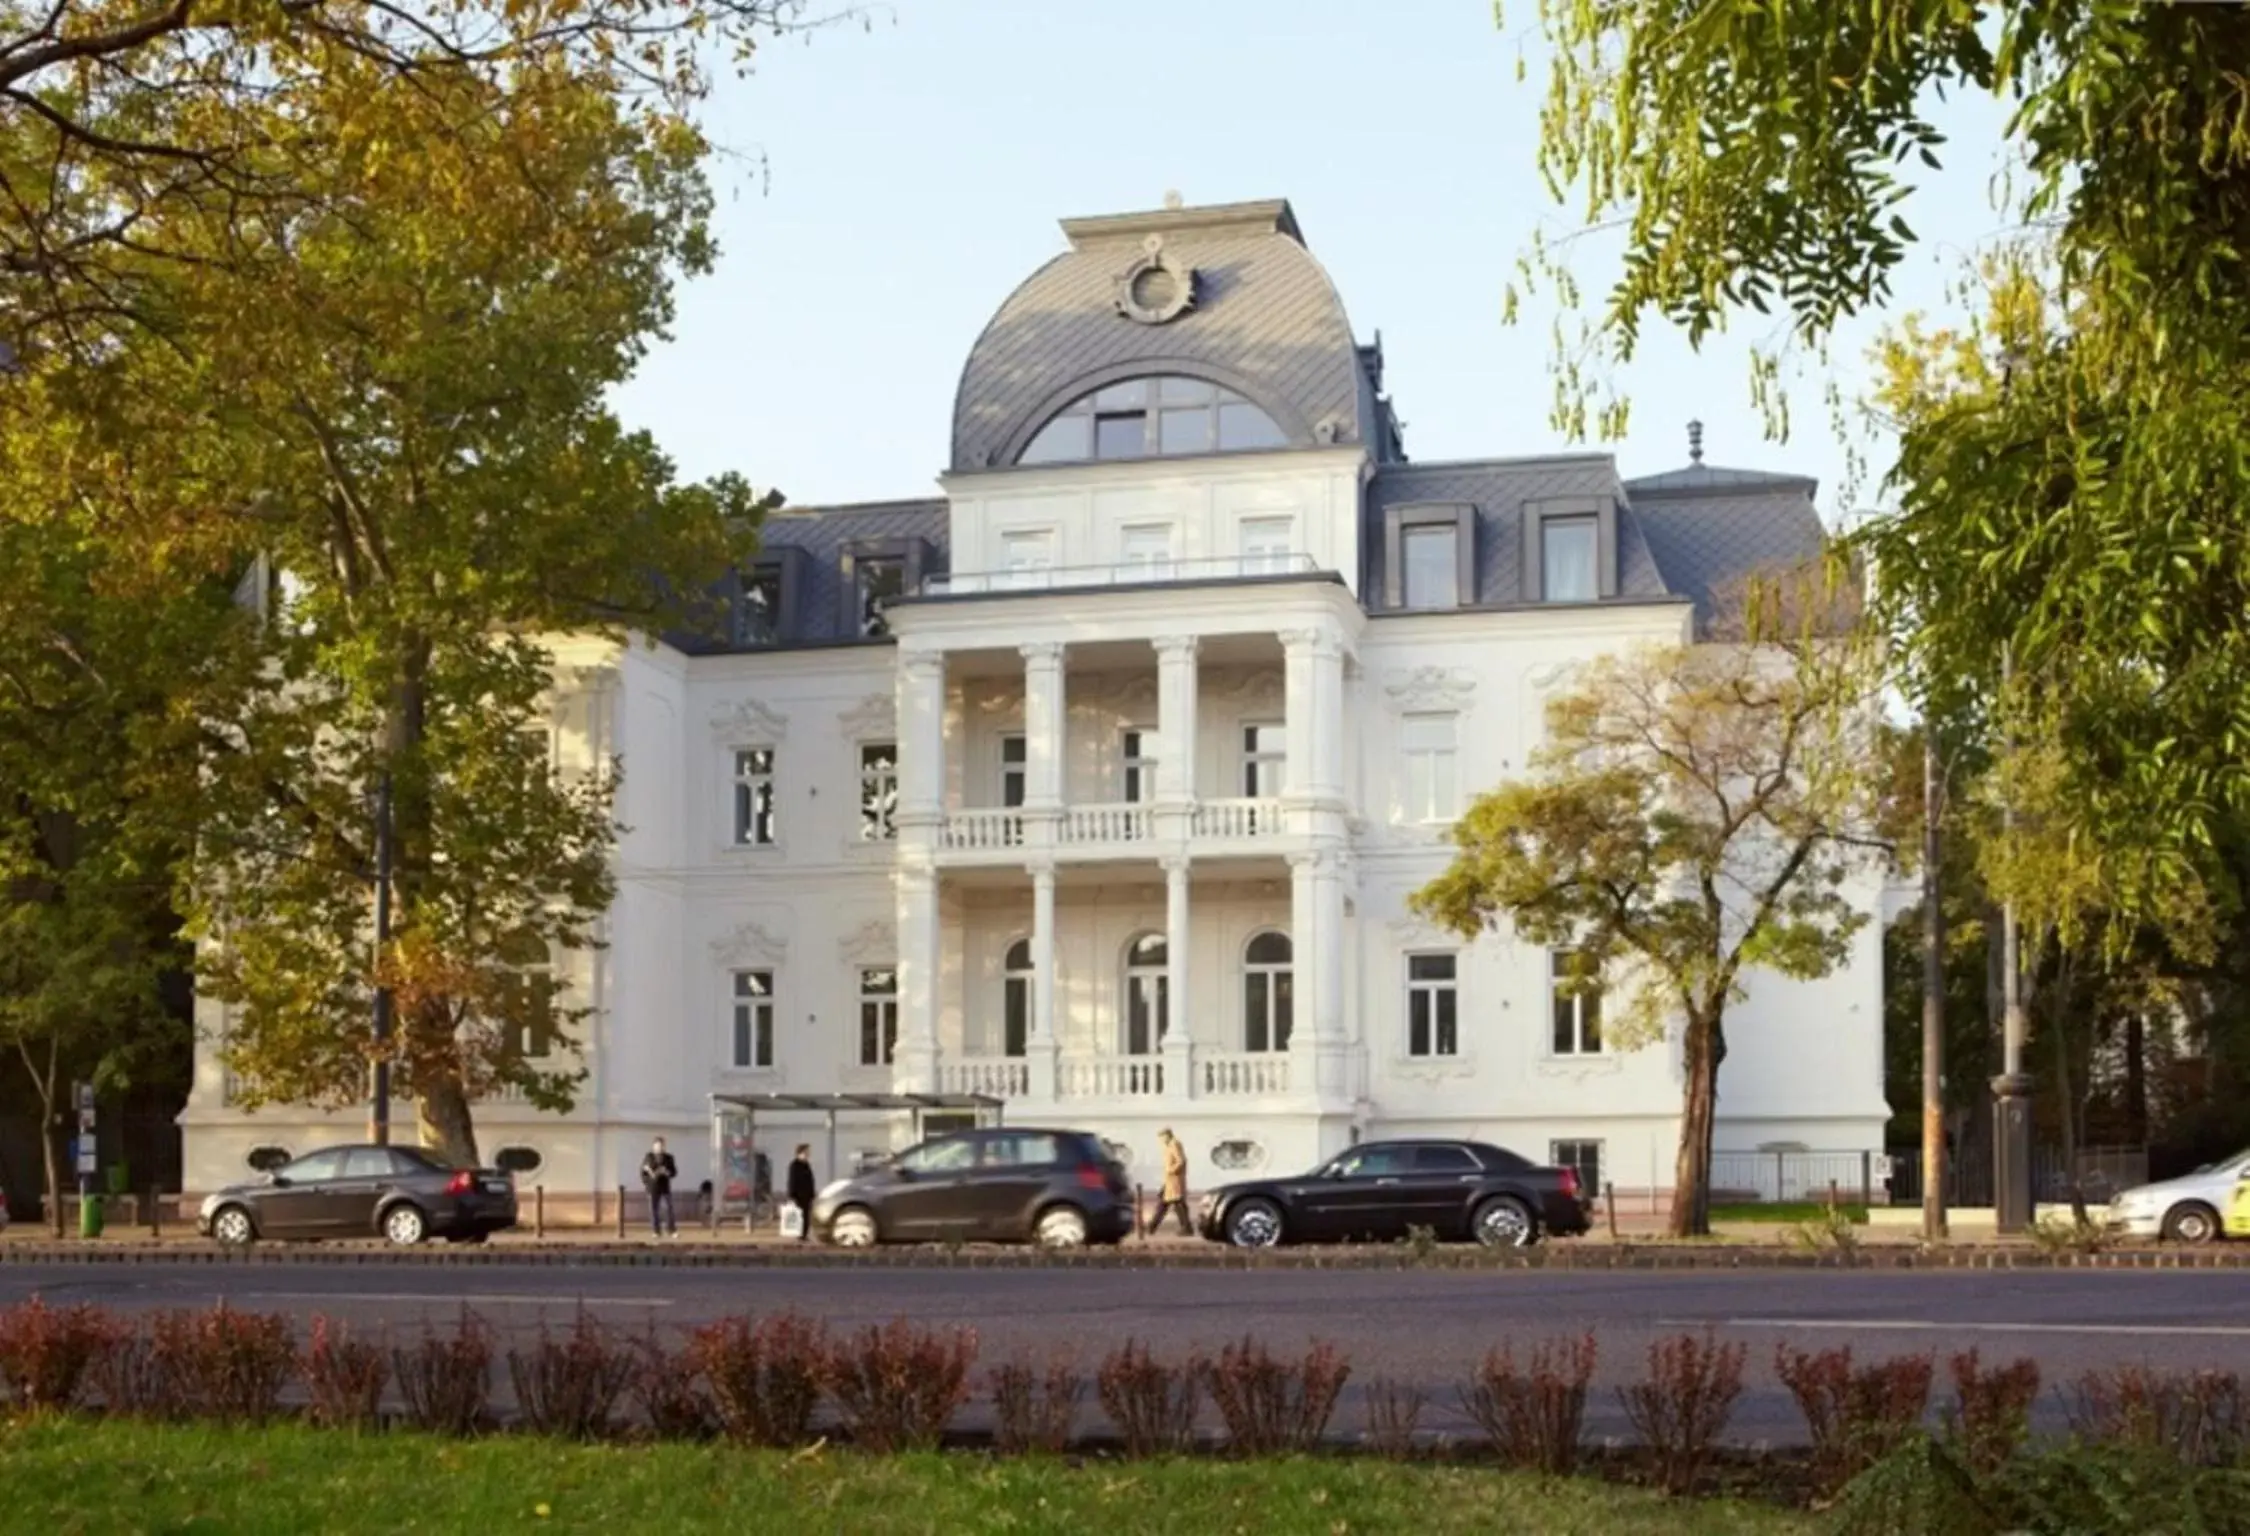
(1695, 813)
(2069, 489)
(393, 392)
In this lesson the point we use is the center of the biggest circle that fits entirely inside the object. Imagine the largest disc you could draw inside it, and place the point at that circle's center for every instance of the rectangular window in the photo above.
(753, 1020)
(1265, 760)
(1140, 767)
(1027, 555)
(757, 617)
(1012, 761)
(1120, 435)
(1145, 553)
(1427, 779)
(1432, 1006)
(878, 791)
(1265, 545)
(1568, 548)
(880, 582)
(754, 818)
(1577, 1004)
(878, 1016)
(1429, 557)
(1583, 1158)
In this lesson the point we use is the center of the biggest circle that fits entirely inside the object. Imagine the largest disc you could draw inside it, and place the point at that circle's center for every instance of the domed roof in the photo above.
(1226, 293)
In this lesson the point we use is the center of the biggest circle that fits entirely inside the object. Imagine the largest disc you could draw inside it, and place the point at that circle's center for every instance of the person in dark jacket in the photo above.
(802, 1189)
(658, 1170)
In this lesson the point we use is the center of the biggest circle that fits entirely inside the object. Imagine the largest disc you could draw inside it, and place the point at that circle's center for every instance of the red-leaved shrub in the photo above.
(344, 1377)
(446, 1378)
(570, 1386)
(1854, 1417)
(899, 1386)
(1271, 1405)
(1682, 1407)
(226, 1364)
(1034, 1409)
(1153, 1404)
(135, 1379)
(1394, 1414)
(46, 1353)
(667, 1387)
(1535, 1417)
(1991, 1414)
(765, 1378)
(2197, 1416)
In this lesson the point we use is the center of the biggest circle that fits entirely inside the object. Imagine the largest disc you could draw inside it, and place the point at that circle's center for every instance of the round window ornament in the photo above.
(1158, 287)
(1238, 1156)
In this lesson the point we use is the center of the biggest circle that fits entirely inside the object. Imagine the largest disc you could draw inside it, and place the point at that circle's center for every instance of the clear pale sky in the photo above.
(908, 175)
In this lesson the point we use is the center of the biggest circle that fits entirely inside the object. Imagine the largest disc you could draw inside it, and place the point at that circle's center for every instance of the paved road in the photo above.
(1425, 1327)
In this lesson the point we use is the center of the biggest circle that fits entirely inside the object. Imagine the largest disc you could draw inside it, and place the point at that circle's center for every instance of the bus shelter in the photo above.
(742, 1170)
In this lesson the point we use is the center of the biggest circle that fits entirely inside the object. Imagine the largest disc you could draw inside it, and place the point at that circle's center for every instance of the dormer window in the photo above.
(1568, 550)
(880, 581)
(1168, 416)
(757, 616)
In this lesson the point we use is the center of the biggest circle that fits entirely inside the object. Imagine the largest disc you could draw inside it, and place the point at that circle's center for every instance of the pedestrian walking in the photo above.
(658, 1170)
(1173, 1196)
(802, 1187)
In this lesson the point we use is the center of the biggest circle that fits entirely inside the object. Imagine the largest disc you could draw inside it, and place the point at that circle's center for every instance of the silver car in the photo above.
(2189, 1209)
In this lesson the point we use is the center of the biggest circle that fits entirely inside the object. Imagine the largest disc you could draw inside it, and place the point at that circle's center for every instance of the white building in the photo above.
(1099, 783)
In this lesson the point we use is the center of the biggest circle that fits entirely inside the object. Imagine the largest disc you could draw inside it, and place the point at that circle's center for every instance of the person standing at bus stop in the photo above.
(802, 1189)
(658, 1170)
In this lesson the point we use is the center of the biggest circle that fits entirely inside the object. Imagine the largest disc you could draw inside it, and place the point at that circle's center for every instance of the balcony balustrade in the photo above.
(1126, 573)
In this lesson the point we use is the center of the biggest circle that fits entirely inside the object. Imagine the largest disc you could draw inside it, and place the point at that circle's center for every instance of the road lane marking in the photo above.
(1899, 1325)
(427, 1297)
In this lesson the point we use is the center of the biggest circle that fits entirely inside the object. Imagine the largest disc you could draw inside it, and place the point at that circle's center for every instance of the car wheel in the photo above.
(2191, 1222)
(1060, 1226)
(233, 1228)
(1254, 1224)
(405, 1225)
(1504, 1222)
(853, 1228)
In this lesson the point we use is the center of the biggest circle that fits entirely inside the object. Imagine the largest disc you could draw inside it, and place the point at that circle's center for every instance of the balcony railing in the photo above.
(997, 1077)
(1239, 819)
(1125, 573)
(1245, 1074)
(1110, 1077)
(1106, 824)
(996, 828)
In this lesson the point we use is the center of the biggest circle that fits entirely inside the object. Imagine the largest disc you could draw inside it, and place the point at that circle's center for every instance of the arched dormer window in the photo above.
(1163, 416)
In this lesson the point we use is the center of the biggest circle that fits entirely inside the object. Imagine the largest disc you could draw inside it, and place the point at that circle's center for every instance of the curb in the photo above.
(1620, 1259)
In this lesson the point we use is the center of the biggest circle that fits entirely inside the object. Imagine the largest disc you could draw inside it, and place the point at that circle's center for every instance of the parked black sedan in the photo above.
(1056, 1188)
(1380, 1191)
(400, 1193)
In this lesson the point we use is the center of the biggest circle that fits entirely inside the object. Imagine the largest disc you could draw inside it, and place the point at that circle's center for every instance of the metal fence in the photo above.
(2101, 1172)
(1785, 1176)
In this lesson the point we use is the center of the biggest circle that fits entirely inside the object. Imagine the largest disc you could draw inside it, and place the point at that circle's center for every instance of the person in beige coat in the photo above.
(1174, 1194)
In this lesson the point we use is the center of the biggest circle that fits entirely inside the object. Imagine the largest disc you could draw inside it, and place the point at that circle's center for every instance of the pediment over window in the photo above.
(1430, 688)
(748, 720)
(749, 944)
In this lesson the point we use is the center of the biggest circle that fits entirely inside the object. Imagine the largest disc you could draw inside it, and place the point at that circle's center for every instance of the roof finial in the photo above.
(1695, 442)
(1172, 199)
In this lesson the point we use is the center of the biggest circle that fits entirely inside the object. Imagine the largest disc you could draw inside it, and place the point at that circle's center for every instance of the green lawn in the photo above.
(84, 1477)
(1793, 1212)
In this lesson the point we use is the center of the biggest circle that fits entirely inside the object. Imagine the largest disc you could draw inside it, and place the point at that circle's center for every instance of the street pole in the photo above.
(379, 1105)
(2011, 1090)
(1933, 996)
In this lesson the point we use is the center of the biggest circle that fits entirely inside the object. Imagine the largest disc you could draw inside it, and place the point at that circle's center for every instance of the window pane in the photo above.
(1015, 1024)
(1427, 557)
(1011, 749)
(1566, 1025)
(1120, 437)
(1427, 732)
(1186, 431)
(1269, 949)
(1132, 393)
(1430, 967)
(1146, 546)
(753, 984)
(1284, 1004)
(1256, 1015)
(1174, 390)
(318, 1165)
(1444, 1160)
(1027, 551)
(1448, 1021)
(1590, 1022)
(1567, 548)
(1418, 1022)
(1242, 425)
(1064, 440)
(879, 982)
(757, 619)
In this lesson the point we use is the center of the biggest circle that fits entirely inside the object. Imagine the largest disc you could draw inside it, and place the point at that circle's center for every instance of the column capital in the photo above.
(1040, 870)
(1175, 646)
(1297, 639)
(1041, 651)
(1173, 863)
(1305, 858)
(921, 662)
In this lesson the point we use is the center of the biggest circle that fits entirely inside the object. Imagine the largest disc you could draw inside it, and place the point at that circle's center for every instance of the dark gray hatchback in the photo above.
(1003, 1185)
(400, 1193)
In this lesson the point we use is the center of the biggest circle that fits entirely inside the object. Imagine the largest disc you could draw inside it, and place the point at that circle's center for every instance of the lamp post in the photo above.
(2011, 1090)
(379, 1103)
(1933, 993)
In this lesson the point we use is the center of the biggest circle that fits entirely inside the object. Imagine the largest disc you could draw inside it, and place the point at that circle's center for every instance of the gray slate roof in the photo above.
(816, 600)
(1498, 489)
(1267, 323)
(1706, 525)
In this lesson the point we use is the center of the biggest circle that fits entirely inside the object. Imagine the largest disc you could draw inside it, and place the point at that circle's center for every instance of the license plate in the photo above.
(496, 1186)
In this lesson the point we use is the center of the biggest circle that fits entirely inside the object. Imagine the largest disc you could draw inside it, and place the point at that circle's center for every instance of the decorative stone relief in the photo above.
(1157, 288)
(1578, 1069)
(748, 720)
(874, 718)
(1430, 688)
(872, 940)
(1244, 685)
(1434, 1069)
(749, 944)
(1238, 1155)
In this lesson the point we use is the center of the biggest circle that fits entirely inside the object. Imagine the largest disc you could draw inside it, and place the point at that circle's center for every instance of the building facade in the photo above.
(1100, 782)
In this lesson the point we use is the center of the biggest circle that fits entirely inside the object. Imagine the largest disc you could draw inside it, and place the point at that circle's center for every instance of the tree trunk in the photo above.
(44, 1083)
(442, 1109)
(1691, 1173)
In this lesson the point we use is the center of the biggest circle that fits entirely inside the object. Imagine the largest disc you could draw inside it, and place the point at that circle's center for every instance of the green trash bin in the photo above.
(90, 1216)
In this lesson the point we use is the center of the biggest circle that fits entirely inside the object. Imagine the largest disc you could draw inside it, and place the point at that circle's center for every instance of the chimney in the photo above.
(1695, 442)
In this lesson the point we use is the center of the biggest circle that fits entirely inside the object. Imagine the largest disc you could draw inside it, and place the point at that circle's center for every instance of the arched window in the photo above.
(1163, 416)
(1015, 1000)
(1148, 993)
(1268, 992)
